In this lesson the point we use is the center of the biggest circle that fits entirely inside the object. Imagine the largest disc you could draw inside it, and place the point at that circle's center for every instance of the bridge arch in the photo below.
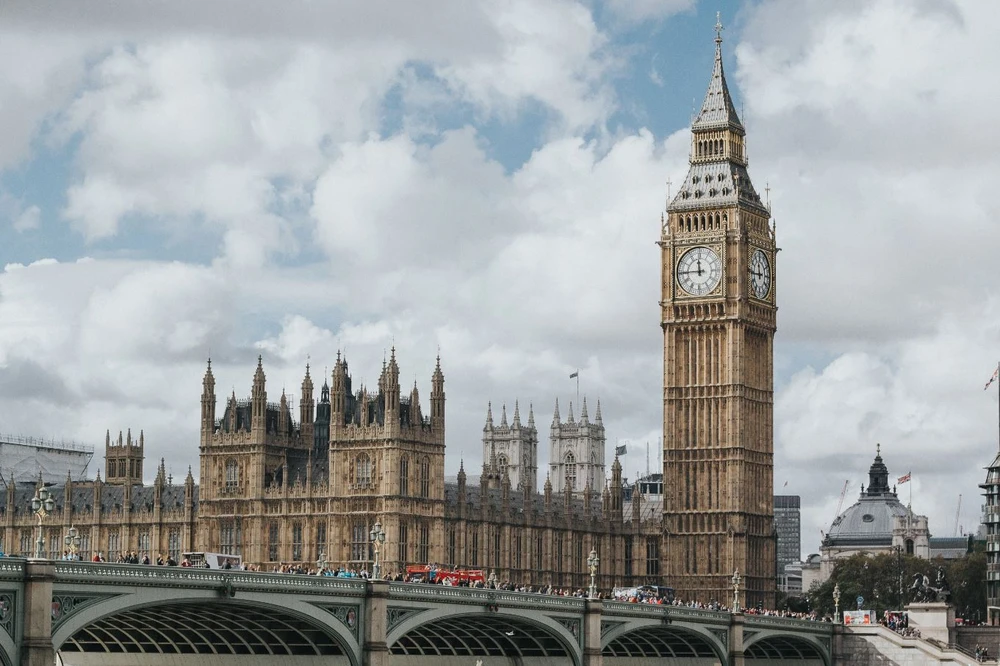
(785, 649)
(691, 644)
(203, 624)
(522, 636)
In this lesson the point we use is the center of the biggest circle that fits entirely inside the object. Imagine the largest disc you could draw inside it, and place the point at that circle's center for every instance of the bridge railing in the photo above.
(788, 623)
(147, 575)
(483, 596)
(659, 610)
(12, 568)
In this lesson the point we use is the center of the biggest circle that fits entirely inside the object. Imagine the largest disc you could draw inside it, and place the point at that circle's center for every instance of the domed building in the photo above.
(878, 522)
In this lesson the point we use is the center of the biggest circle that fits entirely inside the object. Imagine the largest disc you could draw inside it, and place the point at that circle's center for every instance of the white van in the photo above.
(214, 560)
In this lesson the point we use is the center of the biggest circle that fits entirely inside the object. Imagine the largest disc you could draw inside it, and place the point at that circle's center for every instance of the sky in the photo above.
(484, 179)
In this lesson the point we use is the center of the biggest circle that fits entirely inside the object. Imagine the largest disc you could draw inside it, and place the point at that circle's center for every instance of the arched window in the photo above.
(425, 478)
(363, 471)
(569, 472)
(502, 465)
(232, 475)
(404, 475)
(909, 546)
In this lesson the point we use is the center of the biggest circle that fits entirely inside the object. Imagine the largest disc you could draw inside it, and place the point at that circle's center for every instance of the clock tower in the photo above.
(718, 317)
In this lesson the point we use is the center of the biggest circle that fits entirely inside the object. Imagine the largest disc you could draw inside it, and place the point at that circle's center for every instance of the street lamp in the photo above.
(592, 561)
(321, 564)
(492, 580)
(736, 591)
(378, 538)
(73, 541)
(836, 602)
(42, 504)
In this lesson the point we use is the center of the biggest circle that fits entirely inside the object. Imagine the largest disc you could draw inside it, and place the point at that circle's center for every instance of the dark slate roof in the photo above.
(535, 505)
(82, 497)
(718, 110)
(868, 520)
(719, 183)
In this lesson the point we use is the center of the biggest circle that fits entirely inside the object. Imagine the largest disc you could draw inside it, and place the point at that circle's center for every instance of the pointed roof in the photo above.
(583, 412)
(555, 414)
(517, 414)
(718, 110)
(531, 415)
(503, 416)
(489, 415)
(597, 414)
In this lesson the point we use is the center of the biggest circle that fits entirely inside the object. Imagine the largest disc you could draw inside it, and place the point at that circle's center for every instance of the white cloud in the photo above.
(635, 11)
(29, 219)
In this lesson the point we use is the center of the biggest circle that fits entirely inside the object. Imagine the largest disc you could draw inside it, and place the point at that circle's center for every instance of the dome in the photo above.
(869, 521)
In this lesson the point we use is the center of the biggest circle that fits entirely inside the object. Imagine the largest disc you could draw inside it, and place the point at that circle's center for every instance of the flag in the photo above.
(786, 485)
(620, 450)
(903, 479)
(575, 374)
(993, 378)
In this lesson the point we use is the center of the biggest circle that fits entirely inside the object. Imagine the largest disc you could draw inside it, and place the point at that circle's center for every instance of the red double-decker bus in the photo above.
(426, 573)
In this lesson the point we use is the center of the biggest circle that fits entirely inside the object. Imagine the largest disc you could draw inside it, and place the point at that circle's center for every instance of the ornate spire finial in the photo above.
(718, 27)
(878, 449)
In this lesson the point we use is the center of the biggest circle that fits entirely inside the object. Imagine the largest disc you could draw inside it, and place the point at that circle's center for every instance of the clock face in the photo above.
(699, 271)
(760, 274)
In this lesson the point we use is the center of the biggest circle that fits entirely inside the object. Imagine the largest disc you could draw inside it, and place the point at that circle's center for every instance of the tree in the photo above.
(885, 579)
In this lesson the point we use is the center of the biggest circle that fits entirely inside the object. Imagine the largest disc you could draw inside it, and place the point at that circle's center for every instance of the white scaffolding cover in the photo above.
(22, 458)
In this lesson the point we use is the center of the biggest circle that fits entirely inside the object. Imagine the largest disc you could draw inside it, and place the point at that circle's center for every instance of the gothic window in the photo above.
(27, 541)
(569, 472)
(232, 475)
(496, 545)
(425, 478)
(538, 552)
(84, 551)
(144, 541)
(404, 476)
(502, 465)
(517, 550)
(558, 564)
(272, 542)
(174, 544)
(227, 537)
(320, 540)
(114, 544)
(297, 542)
(909, 546)
(450, 556)
(55, 544)
(424, 545)
(121, 468)
(402, 550)
(359, 543)
(628, 556)
(653, 558)
(474, 547)
(363, 471)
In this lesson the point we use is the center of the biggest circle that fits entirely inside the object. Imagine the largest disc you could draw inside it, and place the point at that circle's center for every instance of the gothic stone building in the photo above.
(275, 489)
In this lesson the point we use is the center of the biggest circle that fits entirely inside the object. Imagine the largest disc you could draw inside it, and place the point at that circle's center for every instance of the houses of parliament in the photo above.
(276, 487)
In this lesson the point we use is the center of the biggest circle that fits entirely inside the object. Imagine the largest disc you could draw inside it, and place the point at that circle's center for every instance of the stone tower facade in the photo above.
(123, 458)
(718, 318)
(576, 451)
(511, 450)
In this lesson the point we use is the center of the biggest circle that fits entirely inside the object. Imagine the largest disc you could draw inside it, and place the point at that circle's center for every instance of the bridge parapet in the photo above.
(81, 573)
(483, 597)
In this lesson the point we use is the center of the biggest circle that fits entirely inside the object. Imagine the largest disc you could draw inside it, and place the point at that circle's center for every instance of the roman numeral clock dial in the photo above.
(760, 274)
(699, 271)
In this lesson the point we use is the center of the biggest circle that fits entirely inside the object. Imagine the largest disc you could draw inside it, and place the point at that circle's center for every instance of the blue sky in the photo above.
(487, 179)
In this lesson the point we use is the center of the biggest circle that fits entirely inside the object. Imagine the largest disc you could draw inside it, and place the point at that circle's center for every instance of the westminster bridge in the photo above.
(81, 613)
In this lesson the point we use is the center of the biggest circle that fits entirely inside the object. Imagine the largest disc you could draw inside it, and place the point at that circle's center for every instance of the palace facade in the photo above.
(279, 490)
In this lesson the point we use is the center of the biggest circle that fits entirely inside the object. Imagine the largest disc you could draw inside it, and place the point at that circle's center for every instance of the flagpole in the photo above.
(998, 408)
(578, 387)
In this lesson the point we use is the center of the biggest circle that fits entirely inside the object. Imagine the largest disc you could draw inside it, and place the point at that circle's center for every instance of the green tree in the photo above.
(879, 577)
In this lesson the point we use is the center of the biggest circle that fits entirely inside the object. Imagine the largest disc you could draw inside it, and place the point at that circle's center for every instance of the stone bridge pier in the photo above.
(83, 614)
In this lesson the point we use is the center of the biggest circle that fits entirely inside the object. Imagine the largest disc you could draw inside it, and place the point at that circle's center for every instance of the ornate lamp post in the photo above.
(321, 564)
(736, 591)
(378, 538)
(492, 580)
(836, 602)
(73, 541)
(42, 504)
(592, 563)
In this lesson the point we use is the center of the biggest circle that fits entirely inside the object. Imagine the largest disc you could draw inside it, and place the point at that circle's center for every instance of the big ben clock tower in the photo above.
(718, 317)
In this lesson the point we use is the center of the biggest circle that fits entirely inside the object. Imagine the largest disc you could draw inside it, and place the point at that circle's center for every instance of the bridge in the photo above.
(81, 613)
